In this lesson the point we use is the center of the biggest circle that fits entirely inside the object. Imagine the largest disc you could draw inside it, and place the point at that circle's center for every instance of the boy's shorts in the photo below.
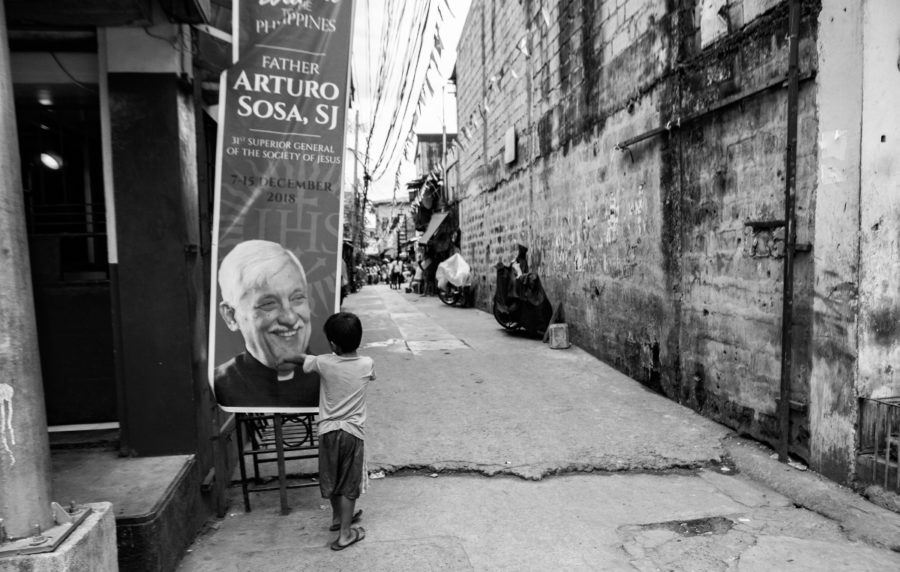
(340, 464)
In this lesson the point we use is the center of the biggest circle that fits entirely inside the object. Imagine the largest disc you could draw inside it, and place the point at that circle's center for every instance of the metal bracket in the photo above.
(214, 32)
(764, 224)
(42, 541)
(60, 515)
(625, 149)
(795, 406)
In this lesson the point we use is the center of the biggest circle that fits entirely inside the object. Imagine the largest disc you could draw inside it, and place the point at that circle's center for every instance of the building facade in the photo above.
(110, 112)
(638, 149)
(393, 227)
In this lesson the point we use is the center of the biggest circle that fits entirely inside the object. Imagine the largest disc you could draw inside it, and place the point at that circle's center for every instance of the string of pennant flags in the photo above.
(496, 84)
(478, 116)
(392, 121)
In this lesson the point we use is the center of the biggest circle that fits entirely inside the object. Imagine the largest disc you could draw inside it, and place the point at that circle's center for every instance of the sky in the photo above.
(385, 43)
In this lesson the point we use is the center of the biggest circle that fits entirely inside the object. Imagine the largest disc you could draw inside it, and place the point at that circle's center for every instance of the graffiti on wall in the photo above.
(7, 434)
(605, 237)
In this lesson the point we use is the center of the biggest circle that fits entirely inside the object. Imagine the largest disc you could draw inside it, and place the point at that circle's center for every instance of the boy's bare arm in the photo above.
(299, 359)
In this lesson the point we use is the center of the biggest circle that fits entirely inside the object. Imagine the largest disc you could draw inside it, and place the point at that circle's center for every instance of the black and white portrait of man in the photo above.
(265, 297)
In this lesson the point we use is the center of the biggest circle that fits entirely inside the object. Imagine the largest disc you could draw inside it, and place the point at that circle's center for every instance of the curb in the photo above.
(858, 518)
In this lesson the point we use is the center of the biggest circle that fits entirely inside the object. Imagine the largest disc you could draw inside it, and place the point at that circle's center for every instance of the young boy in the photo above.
(345, 377)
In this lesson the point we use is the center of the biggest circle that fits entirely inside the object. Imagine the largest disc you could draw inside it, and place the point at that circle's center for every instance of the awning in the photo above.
(416, 183)
(433, 224)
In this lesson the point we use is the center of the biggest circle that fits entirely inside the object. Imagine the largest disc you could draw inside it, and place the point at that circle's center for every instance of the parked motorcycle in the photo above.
(453, 280)
(454, 295)
(520, 302)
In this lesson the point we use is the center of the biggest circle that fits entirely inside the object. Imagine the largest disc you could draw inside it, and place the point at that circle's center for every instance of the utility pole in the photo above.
(356, 213)
(24, 444)
(362, 209)
(444, 144)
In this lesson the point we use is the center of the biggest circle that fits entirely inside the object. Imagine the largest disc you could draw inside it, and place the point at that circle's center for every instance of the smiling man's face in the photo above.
(273, 315)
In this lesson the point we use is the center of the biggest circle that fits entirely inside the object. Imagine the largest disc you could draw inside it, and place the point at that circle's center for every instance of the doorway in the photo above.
(58, 121)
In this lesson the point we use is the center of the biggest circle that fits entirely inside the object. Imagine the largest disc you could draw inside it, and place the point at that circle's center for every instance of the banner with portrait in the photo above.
(277, 216)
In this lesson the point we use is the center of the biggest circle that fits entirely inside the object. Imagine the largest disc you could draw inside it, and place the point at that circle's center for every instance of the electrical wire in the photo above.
(402, 110)
(70, 76)
(398, 81)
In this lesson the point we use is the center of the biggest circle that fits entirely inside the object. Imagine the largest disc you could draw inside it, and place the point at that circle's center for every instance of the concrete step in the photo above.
(156, 500)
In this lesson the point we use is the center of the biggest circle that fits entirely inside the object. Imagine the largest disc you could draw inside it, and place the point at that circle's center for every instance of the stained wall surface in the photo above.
(857, 269)
(880, 202)
(667, 253)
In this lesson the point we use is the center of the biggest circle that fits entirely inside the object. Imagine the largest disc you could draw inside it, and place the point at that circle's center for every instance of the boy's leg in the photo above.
(336, 513)
(348, 535)
(328, 472)
(352, 465)
(336, 510)
(346, 507)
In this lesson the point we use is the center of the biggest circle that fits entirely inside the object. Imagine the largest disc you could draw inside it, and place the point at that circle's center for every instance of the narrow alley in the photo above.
(499, 453)
(698, 199)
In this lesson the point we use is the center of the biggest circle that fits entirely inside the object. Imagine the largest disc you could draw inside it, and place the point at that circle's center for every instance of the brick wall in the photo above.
(664, 254)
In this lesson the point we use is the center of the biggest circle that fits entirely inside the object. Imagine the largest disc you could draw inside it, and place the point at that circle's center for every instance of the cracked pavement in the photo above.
(502, 454)
(486, 401)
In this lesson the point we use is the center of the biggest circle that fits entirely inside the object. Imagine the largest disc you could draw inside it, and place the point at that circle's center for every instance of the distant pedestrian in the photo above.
(345, 281)
(416, 284)
(360, 278)
(396, 268)
(345, 378)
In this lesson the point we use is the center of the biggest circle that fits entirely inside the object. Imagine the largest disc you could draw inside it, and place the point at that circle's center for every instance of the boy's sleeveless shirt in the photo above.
(342, 398)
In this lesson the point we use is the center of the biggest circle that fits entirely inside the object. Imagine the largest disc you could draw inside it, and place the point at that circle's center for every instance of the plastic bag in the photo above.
(454, 270)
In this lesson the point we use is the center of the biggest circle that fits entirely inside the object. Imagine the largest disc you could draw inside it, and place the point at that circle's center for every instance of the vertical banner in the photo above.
(277, 215)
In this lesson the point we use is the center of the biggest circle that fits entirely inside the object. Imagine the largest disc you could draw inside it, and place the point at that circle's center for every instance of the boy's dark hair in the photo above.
(345, 330)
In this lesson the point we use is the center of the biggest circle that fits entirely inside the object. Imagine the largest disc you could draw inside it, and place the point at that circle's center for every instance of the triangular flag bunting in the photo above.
(522, 47)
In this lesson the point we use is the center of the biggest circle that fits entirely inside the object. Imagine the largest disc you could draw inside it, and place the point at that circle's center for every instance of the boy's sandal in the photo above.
(356, 516)
(360, 534)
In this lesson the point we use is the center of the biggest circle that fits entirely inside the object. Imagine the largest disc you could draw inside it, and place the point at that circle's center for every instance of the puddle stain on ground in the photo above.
(695, 527)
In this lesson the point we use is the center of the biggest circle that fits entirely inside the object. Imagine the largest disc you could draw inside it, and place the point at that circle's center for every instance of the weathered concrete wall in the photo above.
(857, 271)
(728, 174)
(666, 255)
(879, 343)
(839, 99)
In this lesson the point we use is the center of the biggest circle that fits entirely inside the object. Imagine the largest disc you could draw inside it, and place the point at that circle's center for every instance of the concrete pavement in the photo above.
(457, 392)
(486, 440)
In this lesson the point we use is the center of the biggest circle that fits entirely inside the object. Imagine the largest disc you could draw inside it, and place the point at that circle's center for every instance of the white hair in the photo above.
(249, 264)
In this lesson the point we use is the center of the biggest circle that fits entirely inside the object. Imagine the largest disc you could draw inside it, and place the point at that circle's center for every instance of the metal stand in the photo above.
(274, 438)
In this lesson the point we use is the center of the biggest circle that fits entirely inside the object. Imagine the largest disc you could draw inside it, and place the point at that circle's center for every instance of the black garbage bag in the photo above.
(521, 302)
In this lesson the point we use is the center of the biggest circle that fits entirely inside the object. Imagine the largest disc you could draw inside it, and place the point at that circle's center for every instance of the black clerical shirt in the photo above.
(245, 382)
